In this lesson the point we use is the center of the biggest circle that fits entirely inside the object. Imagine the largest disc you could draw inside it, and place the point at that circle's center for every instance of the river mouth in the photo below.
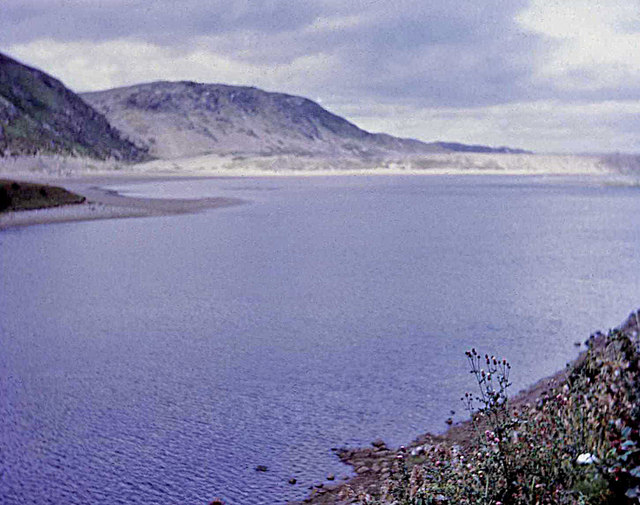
(162, 360)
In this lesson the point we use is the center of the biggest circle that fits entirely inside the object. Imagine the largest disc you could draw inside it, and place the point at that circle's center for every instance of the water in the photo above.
(160, 360)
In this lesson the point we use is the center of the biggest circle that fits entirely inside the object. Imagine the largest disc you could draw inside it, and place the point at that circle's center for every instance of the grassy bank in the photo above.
(16, 195)
(571, 439)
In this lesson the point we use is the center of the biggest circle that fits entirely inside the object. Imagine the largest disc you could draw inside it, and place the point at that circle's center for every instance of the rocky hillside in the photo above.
(38, 115)
(183, 119)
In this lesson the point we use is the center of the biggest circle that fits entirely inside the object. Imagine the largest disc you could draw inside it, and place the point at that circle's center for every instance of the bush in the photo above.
(5, 199)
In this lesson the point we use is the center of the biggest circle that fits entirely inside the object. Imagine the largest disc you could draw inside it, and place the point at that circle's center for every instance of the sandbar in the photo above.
(102, 203)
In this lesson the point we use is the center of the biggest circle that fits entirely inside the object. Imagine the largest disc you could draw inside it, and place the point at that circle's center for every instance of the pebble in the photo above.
(261, 468)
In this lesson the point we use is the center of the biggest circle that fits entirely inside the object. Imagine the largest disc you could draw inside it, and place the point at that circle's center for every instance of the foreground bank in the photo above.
(570, 439)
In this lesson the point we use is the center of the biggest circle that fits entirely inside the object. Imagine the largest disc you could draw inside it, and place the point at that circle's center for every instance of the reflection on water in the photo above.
(160, 360)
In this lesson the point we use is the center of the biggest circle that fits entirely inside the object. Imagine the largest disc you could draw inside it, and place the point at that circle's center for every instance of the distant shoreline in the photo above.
(102, 203)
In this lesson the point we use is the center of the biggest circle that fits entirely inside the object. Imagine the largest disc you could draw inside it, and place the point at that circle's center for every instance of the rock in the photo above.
(331, 477)
(261, 468)
(320, 485)
(417, 451)
(449, 421)
(363, 469)
(292, 480)
(379, 444)
(216, 501)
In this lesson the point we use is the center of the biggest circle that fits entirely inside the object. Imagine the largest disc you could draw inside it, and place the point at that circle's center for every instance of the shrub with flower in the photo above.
(579, 444)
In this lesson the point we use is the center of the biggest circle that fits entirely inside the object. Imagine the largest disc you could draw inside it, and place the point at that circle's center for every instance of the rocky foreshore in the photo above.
(374, 466)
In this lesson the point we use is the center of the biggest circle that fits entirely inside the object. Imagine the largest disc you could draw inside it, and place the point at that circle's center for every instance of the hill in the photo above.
(39, 115)
(184, 119)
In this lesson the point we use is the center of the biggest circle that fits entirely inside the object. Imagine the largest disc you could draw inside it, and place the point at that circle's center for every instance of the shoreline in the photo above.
(374, 464)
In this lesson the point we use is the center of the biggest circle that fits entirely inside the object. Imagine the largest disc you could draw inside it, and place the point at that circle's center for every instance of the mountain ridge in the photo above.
(174, 119)
(183, 119)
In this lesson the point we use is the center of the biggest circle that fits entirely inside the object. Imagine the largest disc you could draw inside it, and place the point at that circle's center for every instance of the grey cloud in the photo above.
(400, 25)
(160, 21)
(432, 52)
(415, 53)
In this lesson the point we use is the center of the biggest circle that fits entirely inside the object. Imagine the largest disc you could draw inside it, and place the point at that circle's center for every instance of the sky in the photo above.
(544, 75)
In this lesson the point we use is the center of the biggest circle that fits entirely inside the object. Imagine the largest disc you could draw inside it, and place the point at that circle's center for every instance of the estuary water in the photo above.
(160, 360)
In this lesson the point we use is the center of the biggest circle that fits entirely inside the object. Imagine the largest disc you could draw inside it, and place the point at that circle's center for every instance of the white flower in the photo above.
(587, 458)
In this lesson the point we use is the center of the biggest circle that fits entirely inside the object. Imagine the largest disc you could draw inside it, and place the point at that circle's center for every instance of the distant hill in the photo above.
(39, 115)
(183, 119)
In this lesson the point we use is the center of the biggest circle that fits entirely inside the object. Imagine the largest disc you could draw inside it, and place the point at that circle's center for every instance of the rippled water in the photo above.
(160, 360)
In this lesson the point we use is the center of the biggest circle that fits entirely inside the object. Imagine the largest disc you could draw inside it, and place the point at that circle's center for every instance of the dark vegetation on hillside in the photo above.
(16, 195)
(39, 115)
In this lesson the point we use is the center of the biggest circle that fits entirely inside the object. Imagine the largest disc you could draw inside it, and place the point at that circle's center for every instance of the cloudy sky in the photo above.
(546, 75)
